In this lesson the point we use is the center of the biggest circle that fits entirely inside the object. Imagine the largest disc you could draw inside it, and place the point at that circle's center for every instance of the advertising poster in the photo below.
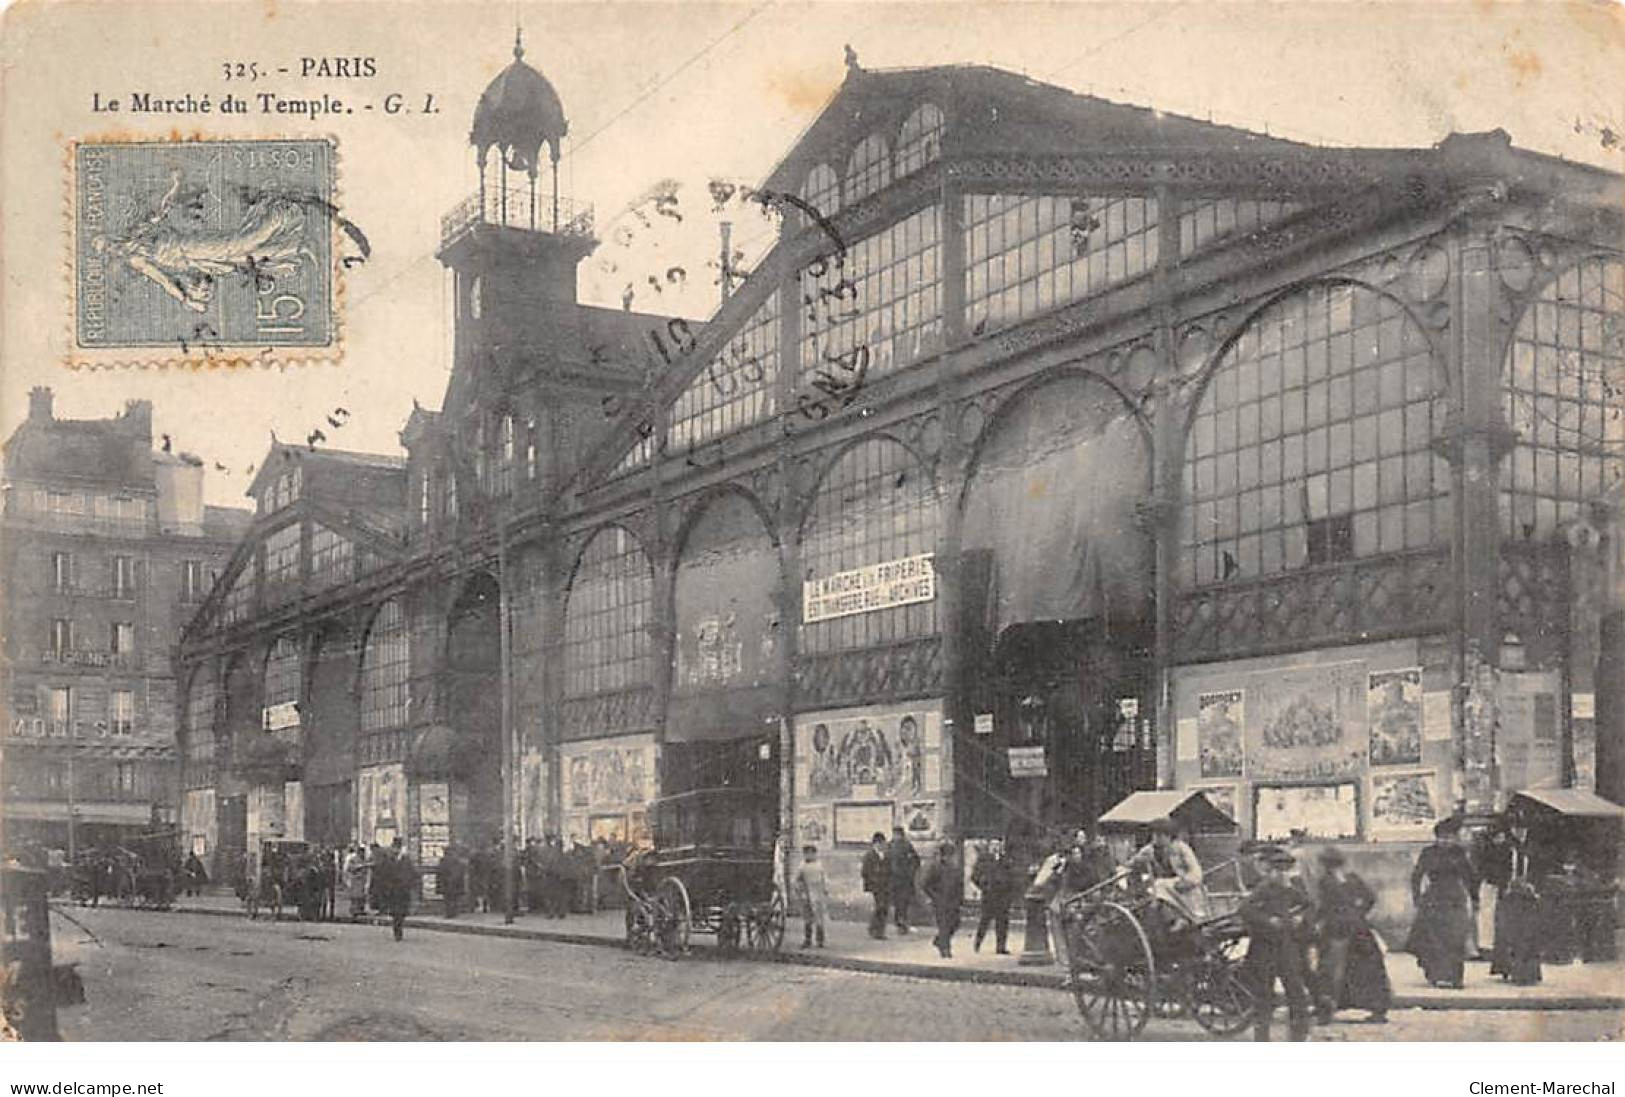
(1220, 718)
(1404, 805)
(1283, 812)
(1307, 723)
(878, 753)
(919, 819)
(1394, 716)
(855, 824)
(604, 778)
(815, 824)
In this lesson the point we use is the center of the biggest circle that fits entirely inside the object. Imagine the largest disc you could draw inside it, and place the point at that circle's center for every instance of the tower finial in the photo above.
(518, 41)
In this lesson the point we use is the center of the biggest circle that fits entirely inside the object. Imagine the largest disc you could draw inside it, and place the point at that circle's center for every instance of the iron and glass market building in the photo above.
(1056, 448)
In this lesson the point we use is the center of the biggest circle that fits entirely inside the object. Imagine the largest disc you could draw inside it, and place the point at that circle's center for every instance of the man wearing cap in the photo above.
(1277, 915)
(877, 882)
(1351, 971)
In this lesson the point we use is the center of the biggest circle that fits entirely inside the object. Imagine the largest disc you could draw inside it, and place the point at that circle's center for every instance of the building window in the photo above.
(121, 637)
(282, 563)
(386, 670)
(238, 602)
(530, 448)
(282, 490)
(59, 709)
(1026, 255)
(332, 558)
(121, 712)
(482, 463)
(874, 505)
(607, 616)
(736, 389)
(509, 456)
(124, 584)
(869, 169)
(1204, 222)
(282, 677)
(424, 494)
(1313, 440)
(56, 778)
(822, 190)
(200, 706)
(1565, 398)
(884, 305)
(62, 572)
(449, 476)
(920, 143)
(61, 636)
(193, 587)
(125, 778)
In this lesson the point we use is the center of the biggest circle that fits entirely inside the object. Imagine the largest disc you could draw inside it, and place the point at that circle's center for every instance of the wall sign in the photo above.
(856, 824)
(903, 582)
(1313, 811)
(984, 723)
(277, 717)
(1028, 762)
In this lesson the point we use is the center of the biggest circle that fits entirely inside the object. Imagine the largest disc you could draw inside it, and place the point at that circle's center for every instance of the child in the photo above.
(812, 891)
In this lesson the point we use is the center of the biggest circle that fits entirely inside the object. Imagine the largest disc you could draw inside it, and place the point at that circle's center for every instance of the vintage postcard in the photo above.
(741, 521)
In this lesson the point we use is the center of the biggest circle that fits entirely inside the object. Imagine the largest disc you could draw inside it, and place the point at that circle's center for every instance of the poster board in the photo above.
(1404, 806)
(856, 823)
(1320, 811)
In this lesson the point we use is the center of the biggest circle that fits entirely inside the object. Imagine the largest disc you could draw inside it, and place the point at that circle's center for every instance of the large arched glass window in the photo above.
(736, 389)
(876, 505)
(200, 706)
(386, 662)
(1312, 442)
(822, 190)
(282, 671)
(869, 169)
(607, 616)
(921, 140)
(1565, 398)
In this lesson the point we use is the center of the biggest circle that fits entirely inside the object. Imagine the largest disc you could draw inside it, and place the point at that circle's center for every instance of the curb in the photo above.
(1018, 978)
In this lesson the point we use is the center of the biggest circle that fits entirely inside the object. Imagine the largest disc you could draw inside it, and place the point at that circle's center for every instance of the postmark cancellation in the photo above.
(209, 251)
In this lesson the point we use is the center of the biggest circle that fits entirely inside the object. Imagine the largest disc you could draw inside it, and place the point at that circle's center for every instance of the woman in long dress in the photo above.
(1441, 887)
(1518, 933)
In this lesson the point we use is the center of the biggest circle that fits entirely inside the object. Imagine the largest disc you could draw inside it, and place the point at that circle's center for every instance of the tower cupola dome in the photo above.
(518, 114)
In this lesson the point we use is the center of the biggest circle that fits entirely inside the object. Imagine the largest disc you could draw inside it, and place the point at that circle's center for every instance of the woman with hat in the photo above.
(1442, 885)
(1351, 972)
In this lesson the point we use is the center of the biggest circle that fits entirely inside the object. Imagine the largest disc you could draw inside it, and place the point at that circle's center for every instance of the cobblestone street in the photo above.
(176, 976)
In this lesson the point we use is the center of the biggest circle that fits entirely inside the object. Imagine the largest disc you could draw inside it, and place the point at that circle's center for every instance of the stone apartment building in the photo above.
(107, 549)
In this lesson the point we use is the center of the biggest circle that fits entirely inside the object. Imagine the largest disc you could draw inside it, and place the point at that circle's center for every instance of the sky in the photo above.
(674, 93)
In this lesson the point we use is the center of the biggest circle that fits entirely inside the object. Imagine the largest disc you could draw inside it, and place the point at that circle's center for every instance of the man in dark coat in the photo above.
(995, 877)
(903, 864)
(395, 879)
(479, 878)
(449, 879)
(196, 876)
(877, 882)
(945, 884)
(1277, 916)
(1352, 971)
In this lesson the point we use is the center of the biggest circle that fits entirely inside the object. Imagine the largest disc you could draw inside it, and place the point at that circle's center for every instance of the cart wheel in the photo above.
(1220, 999)
(770, 924)
(674, 917)
(1114, 976)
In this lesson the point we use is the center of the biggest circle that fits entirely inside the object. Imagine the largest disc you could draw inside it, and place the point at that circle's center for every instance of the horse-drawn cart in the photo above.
(713, 869)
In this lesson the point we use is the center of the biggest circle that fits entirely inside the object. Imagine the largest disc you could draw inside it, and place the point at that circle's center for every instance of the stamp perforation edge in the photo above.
(76, 357)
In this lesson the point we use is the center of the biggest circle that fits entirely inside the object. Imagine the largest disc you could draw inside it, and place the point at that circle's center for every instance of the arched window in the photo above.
(607, 616)
(875, 505)
(822, 190)
(282, 671)
(1312, 442)
(1565, 398)
(921, 140)
(736, 389)
(869, 169)
(386, 670)
(200, 706)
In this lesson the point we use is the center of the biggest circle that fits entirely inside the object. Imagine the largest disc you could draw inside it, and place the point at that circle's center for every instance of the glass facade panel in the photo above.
(332, 558)
(883, 304)
(822, 190)
(607, 643)
(282, 671)
(1565, 397)
(200, 706)
(386, 670)
(920, 142)
(1205, 221)
(869, 169)
(282, 564)
(736, 389)
(1027, 254)
(875, 504)
(1355, 445)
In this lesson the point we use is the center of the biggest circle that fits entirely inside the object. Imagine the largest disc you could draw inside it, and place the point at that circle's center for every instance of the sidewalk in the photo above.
(1575, 986)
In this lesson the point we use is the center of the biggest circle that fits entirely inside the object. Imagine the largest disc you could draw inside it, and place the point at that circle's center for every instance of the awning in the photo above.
(1187, 808)
(56, 811)
(1574, 802)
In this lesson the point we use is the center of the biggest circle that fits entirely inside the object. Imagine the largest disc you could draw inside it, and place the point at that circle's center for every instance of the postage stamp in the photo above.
(203, 249)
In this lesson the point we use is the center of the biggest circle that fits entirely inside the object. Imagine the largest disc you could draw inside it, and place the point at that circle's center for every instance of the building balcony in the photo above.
(516, 207)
